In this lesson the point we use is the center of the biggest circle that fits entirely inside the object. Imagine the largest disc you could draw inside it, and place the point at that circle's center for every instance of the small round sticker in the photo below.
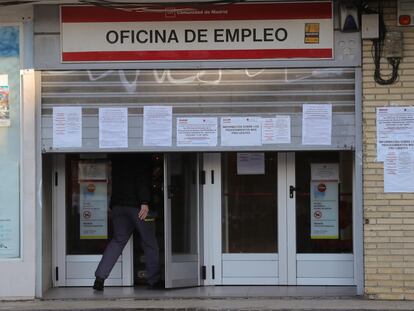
(321, 187)
(317, 214)
(91, 188)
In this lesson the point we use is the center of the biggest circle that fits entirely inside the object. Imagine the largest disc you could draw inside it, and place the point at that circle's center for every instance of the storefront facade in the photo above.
(241, 179)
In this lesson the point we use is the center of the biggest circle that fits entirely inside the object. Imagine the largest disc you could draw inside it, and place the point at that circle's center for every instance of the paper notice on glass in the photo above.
(9, 210)
(92, 170)
(4, 101)
(325, 171)
(324, 210)
(399, 171)
(113, 127)
(250, 163)
(276, 130)
(201, 132)
(395, 130)
(317, 124)
(241, 131)
(157, 126)
(67, 127)
(93, 210)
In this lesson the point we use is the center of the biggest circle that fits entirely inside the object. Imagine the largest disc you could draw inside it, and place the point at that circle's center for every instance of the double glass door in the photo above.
(283, 218)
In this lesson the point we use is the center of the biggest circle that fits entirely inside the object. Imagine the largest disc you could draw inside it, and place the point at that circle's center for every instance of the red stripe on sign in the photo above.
(152, 13)
(195, 55)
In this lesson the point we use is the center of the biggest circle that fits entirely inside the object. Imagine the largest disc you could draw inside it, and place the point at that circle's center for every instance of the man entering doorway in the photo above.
(130, 210)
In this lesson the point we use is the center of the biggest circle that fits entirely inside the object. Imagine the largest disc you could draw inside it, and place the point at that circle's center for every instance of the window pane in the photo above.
(249, 206)
(9, 142)
(343, 219)
(184, 205)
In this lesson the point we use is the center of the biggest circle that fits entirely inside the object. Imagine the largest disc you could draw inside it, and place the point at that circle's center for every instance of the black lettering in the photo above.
(189, 35)
(267, 34)
(246, 33)
(141, 39)
(218, 35)
(124, 35)
(255, 39)
(160, 36)
(202, 34)
(173, 37)
(111, 36)
(232, 37)
(281, 34)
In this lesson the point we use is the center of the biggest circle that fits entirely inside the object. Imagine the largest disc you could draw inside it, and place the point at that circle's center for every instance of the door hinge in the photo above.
(213, 272)
(57, 273)
(203, 272)
(56, 179)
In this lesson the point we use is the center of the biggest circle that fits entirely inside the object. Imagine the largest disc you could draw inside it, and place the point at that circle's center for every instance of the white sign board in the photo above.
(241, 131)
(113, 127)
(298, 30)
(67, 127)
(276, 130)
(317, 124)
(158, 126)
(325, 171)
(199, 132)
(93, 210)
(324, 212)
(399, 171)
(395, 130)
(250, 163)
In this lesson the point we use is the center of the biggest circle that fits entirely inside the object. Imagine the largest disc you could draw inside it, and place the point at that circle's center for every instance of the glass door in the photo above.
(250, 218)
(284, 218)
(182, 262)
(321, 245)
(83, 223)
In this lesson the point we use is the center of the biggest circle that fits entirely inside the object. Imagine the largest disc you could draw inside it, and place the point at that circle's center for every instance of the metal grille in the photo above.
(250, 92)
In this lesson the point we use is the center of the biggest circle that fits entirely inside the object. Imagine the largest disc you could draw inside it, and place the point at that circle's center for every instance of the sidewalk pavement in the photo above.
(279, 304)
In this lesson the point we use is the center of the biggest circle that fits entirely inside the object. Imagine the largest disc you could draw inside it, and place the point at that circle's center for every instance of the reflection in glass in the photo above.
(249, 206)
(79, 240)
(303, 203)
(183, 192)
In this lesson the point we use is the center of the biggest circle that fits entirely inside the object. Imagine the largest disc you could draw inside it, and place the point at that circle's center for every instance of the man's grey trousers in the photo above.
(125, 220)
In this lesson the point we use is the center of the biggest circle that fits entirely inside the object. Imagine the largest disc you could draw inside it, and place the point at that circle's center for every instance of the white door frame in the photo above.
(61, 261)
(290, 207)
(212, 241)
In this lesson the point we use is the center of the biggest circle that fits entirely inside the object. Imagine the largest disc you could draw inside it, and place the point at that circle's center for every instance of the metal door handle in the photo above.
(291, 190)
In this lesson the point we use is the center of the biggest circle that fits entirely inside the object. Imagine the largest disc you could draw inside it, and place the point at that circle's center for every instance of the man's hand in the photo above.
(143, 211)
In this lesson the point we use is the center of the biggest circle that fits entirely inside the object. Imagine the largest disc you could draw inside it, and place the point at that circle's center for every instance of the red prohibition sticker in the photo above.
(91, 188)
(317, 214)
(321, 187)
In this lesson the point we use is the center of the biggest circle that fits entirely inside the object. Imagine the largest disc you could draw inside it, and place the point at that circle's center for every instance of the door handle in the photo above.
(291, 190)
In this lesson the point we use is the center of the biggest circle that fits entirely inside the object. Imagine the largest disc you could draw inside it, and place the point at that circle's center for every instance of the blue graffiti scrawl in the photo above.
(9, 41)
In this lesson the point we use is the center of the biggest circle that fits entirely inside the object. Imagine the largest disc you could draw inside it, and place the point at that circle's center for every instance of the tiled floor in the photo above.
(202, 292)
